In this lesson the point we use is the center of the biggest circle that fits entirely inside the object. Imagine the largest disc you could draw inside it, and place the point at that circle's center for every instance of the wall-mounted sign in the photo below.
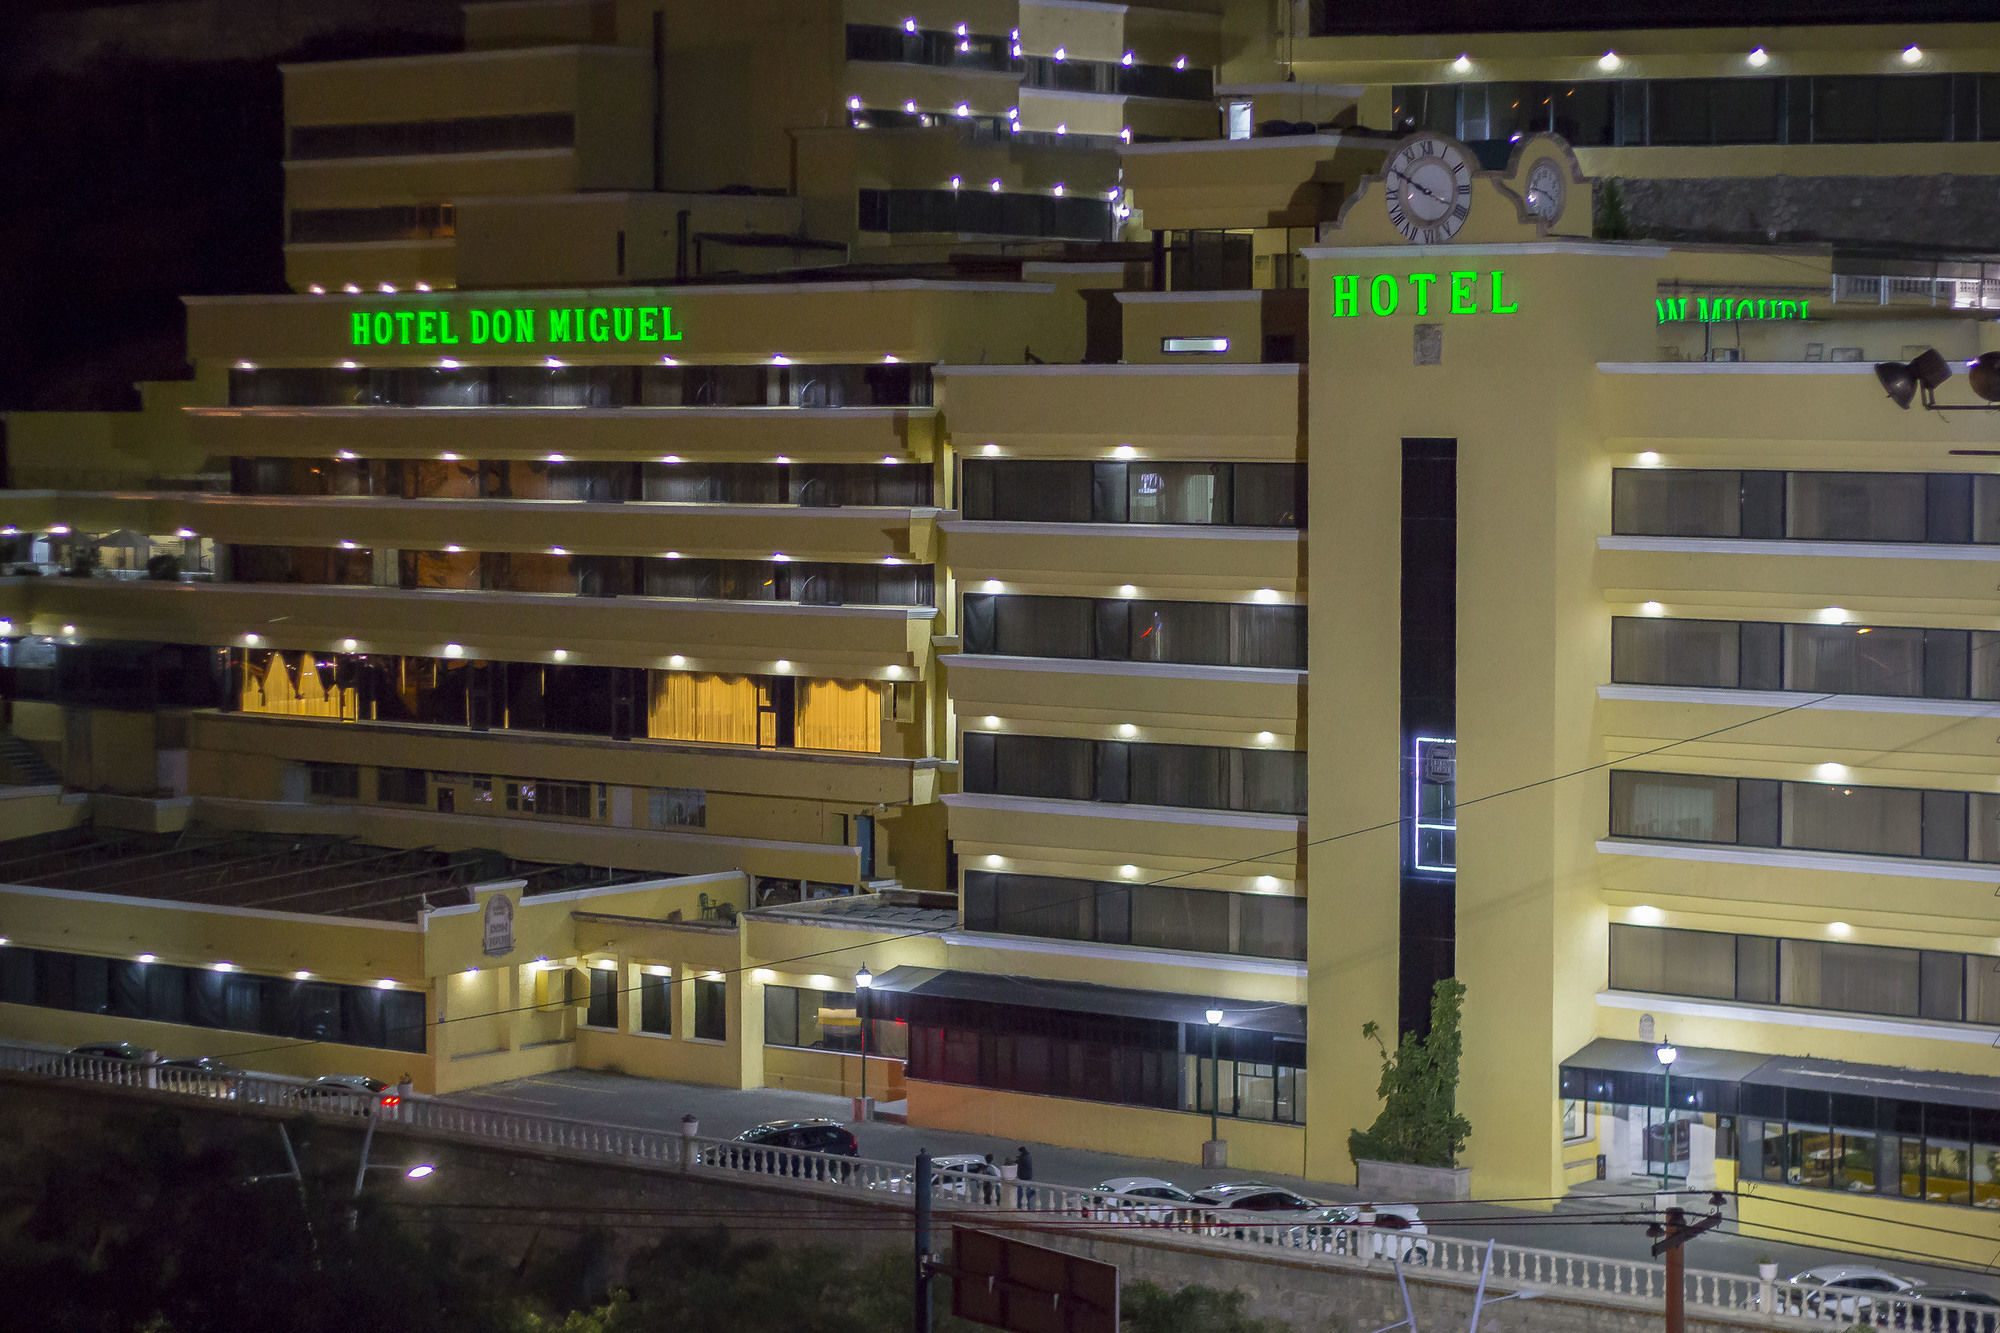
(1727, 310)
(1462, 292)
(499, 926)
(517, 324)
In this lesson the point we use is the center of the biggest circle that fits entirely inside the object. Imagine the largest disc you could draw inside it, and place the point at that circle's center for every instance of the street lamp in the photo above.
(1666, 1055)
(1214, 1074)
(864, 980)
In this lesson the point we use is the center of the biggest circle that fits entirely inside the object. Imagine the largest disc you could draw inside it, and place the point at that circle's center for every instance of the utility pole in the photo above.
(920, 1318)
(1671, 1241)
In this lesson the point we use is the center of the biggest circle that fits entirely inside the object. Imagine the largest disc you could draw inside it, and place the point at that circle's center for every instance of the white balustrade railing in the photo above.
(1349, 1243)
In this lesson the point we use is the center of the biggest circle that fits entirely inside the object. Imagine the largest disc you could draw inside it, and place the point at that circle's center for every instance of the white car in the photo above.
(1174, 1202)
(1851, 1289)
(962, 1175)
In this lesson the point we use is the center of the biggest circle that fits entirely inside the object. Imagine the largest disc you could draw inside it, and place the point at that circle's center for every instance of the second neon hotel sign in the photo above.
(568, 325)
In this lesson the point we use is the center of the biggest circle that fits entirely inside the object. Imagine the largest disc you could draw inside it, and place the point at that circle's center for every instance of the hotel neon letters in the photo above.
(520, 324)
(1410, 294)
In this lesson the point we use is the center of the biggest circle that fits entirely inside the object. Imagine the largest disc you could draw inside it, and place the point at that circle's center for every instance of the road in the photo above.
(1606, 1230)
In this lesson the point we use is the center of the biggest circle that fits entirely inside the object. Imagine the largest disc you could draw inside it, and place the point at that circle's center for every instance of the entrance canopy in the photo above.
(1728, 1082)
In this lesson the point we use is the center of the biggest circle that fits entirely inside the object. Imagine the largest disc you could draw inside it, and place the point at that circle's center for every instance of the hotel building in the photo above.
(1034, 503)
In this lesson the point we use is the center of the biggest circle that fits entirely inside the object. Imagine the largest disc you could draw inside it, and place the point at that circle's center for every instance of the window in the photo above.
(393, 222)
(472, 134)
(1673, 806)
(986, 212)
(1220, 494)
(567, 800)
(1811, 974)
(1656, 651)
(404, 786)
(656, 991)
(711, 1013)
(1186, 776)
(1237, 116)
(839, 715)
(1576, 1120)
(826, 1020)
(677, 807)
(688, 706)
(602, 1009)
(1875, 108)
(1183, 346)
(201, 997)
(1153, 916)
(1660, 503)
(333, 782)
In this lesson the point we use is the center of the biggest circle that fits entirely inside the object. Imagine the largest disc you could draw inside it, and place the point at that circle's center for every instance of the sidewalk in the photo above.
(1605, 1229)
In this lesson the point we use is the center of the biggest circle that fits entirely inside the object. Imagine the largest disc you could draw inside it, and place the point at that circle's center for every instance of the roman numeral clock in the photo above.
(1429, 190)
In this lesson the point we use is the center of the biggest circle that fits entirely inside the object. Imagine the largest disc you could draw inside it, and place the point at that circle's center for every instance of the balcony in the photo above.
(731, 637)
(722, 434)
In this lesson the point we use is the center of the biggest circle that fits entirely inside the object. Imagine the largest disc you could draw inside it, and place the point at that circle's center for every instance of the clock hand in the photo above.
(1412, 180)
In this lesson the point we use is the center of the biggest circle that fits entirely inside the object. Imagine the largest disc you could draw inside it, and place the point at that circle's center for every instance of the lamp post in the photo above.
(1214, 1074)
(1666, 1055)
(863, 981)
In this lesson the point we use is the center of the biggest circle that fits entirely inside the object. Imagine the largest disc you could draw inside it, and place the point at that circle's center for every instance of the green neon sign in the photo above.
(516, 324)
(1727, 310)
(1461, 292)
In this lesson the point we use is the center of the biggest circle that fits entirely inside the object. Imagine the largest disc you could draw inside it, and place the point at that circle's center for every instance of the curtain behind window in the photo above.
(1701, 653)
(1841, 659)
(1684, 808)
(1861, 506)
(690, 707)
(1884, 821)
(839, 715)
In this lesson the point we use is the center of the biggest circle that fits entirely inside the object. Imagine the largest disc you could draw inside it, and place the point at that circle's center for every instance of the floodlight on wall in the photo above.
(1983, 374)
(1906, 381)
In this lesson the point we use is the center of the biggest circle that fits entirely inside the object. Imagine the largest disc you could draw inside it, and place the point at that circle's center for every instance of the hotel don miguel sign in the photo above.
(557, 326)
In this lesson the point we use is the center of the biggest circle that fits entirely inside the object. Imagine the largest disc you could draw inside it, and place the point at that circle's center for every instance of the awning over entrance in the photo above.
(1283, 1020)
(1854, 1080)
(1726, 1082)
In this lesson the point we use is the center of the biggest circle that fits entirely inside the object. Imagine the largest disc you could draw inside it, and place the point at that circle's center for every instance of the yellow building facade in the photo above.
(1154, 598)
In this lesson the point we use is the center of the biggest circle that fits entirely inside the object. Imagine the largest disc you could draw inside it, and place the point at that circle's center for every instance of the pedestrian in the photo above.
(1024, 1169)
(991, 1192)
(403, 1089)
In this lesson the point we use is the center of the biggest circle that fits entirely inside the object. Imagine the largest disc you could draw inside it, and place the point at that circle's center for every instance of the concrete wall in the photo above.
(1311, 1295)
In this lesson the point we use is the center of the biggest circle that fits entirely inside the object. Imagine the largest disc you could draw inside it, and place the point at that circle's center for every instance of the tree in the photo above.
(164, 568)
(1612, 222)
(1420, 1123)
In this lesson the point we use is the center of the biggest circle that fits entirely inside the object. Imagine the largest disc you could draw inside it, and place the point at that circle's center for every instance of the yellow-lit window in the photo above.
(839, 715)
(688, 706)
(293, 685)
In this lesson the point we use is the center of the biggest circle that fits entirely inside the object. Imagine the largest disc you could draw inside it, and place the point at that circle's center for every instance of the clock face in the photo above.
(1429, 190)
(1546, 191)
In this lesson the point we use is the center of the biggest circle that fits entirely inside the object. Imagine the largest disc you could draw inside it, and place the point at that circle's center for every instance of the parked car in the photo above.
(1925, 1311)
(212, 1076)
(775, 1148)
(1387, 1219)
(1851, 1290)
(356, 1093)
(1251, 1208)
(971, 1177)
(111, 1050)
(1174, 1202)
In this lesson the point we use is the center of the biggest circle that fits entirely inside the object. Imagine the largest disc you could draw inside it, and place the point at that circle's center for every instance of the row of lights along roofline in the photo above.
(224, 965)
(963, 111)
(386, 288)
(1262, 883)
(1757, 57)
(964, 34)
(1125, 730)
